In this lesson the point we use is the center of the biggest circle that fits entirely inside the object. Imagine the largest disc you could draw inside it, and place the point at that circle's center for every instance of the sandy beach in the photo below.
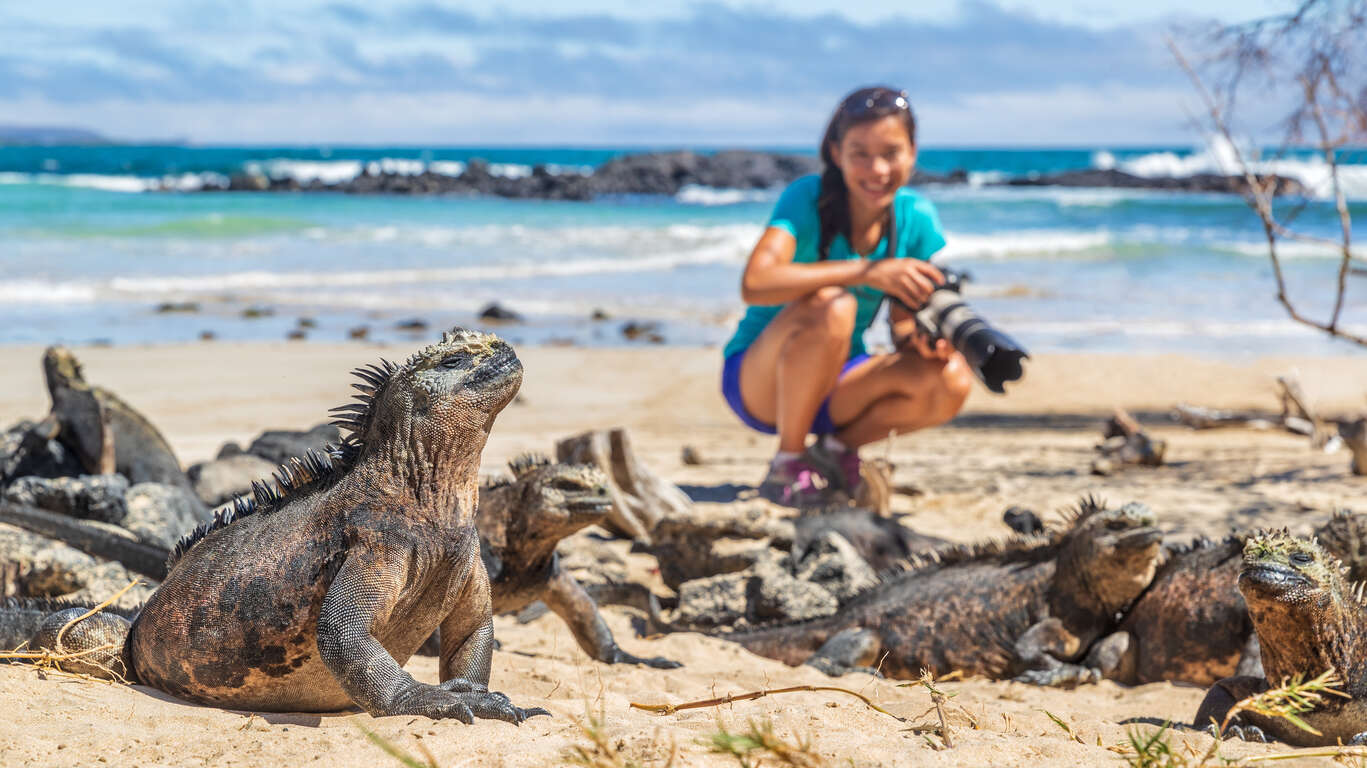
(1030, 448)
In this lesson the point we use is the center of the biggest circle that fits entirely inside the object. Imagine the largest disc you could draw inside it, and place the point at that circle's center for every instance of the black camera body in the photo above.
(993, 356)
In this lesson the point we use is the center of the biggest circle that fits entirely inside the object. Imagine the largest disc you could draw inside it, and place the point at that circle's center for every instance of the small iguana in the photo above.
(312, 595)
(520, 524)
(1027, 609)
(1191, 624)
(1309, 618)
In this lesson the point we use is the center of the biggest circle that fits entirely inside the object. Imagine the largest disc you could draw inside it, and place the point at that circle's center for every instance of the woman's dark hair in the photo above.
(833, 205)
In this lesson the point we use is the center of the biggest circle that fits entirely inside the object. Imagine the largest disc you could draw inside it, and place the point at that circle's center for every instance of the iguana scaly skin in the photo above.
(311, 596)
(1026, 609)
(1309, 618)
(520, 524)
(1191, 625)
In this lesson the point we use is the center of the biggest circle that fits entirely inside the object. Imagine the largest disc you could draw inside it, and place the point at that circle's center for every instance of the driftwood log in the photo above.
(1125, 442)
(640, 498)
(1354, 434)
(876, 491)
(1295, 405)
(1297, 416)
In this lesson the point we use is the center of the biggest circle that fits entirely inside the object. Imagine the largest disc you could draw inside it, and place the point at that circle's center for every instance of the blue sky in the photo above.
(598, 71)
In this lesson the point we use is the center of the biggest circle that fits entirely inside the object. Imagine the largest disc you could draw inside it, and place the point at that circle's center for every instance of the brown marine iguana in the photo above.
(1026, 609)
(311, 596)
(521, 522)
(1191, 624)
(1309, 618)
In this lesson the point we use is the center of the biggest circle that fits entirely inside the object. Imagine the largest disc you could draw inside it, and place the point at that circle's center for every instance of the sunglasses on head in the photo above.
(863, 102)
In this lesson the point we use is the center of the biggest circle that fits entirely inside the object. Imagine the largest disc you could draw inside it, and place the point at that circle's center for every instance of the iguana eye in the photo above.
(1117, 525)
(1301, 558)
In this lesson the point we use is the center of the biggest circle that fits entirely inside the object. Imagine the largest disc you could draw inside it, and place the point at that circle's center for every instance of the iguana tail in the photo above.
(91, 646)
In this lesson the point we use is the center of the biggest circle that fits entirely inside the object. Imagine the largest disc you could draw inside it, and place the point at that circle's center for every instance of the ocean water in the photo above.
(88, 254)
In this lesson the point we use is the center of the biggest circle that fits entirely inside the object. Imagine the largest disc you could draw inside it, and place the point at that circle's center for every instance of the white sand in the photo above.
(1031, 448)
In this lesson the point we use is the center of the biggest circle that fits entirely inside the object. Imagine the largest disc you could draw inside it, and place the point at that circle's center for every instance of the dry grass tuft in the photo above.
(760, 742)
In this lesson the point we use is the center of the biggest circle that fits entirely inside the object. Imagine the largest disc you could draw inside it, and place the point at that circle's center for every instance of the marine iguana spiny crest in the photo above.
(520, 524)
(1025, 609)
(311, 596)
(1309, 618)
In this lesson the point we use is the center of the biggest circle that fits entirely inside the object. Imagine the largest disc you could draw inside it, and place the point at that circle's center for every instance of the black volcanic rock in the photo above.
(497, 313)
(1111, 178)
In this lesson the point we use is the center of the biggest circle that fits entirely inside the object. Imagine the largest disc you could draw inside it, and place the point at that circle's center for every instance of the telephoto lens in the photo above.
(993, 356)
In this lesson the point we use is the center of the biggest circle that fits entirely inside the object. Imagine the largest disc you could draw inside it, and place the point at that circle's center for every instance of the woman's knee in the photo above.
(830, 307)
(956, 381)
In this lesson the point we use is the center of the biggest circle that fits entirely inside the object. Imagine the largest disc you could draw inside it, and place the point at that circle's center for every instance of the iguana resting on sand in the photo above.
(1309, 618)
(1191, 624)
(520, 523)
(311, 596)
(107, 434)
(1027, 609)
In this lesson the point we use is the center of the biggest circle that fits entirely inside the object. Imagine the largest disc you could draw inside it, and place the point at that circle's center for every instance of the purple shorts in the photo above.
(730, 389)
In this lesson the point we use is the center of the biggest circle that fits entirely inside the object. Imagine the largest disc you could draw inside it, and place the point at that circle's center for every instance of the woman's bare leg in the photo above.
(901, 391)
(796, 361)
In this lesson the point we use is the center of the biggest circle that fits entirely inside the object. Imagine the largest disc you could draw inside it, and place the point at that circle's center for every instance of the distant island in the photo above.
(48, 134)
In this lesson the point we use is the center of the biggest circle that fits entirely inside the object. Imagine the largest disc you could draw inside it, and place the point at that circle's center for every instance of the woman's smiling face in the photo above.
(876, 158)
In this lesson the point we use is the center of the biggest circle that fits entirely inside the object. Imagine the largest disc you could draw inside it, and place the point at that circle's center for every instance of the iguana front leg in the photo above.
(361, 598)
(573, 604)
(1041, 649)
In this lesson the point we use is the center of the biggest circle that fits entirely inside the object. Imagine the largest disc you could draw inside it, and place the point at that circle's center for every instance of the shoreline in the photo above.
(276, 385)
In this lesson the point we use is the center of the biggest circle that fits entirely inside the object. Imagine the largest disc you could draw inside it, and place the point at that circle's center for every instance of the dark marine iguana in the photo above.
(1027, 609)
(311, 595)
(1191, 624)
(1309, 618)
(521, 522)
(106, 433)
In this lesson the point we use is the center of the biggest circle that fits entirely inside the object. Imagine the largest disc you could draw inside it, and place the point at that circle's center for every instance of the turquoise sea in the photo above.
(88, 253)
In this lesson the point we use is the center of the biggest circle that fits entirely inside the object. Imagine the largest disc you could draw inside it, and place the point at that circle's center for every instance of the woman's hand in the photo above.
(910, 281)
(906, 334)
(940, 350)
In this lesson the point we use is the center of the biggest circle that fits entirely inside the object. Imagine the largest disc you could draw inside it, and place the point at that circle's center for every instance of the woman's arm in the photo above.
(771, 277)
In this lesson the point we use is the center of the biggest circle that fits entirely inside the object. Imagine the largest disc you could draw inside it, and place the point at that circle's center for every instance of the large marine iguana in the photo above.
(1309, 618)
(1191, 624)
(311, 595)
(1027, 609)
(521, 522)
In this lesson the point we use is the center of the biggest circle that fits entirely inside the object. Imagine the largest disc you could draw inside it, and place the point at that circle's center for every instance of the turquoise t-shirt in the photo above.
(918, 237)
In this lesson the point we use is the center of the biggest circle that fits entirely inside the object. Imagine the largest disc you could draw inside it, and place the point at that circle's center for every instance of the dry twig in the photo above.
(669, 709)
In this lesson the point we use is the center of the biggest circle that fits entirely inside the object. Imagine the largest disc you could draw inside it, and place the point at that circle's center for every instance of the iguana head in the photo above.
(444, 393)
(1300, 604)
(76, 408)
(1286, 574)
(1110, 554)
(1345, 537)
(544, 503)
(61, 368)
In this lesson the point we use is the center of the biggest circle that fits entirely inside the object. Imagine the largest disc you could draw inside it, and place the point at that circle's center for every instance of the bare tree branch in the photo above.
(1319, 47)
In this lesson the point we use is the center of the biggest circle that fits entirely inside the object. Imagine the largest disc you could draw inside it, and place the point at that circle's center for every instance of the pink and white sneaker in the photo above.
(794, 483)
(840, 468)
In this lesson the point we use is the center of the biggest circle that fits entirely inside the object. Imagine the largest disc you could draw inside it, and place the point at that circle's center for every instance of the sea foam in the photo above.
(1222, 157)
